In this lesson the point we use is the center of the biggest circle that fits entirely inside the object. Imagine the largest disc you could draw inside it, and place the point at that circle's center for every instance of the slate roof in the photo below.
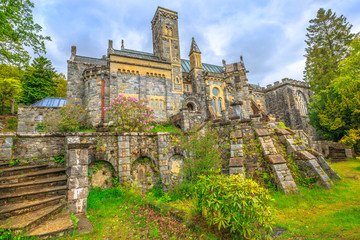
(185, 66)
(137, 54)
(96, 61)
(50, 102)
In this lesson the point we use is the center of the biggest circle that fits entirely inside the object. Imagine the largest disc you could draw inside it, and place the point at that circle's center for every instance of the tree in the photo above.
(38, 81)
(10, 90)
(17, 31)
(335, 111)
(60, 85)
(10, 87)
(327, 42)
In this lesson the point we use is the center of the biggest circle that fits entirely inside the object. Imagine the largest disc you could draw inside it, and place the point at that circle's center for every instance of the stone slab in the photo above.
(275, 159)
(237, 134)
(304, 155)
(236, 162)
(236, 170)
(262, 132)
(281, 131)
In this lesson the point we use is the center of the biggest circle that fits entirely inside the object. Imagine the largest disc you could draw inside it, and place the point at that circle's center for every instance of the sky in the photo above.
(269, 34)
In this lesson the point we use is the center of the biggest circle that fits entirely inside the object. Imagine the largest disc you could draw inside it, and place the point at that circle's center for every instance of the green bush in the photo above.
(12, 124)
(182, 190)
(236, 204)
(202, 152)
(69, 118)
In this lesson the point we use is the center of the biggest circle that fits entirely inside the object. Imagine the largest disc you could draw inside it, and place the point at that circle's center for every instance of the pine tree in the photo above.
(327, 42)
(38, 81)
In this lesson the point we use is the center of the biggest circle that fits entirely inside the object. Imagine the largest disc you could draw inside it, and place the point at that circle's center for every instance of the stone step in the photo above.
(4, 164)
(11, 210)
(50, 172)
(11, 171)
(34, 184)
(32, 219)
(33, 194)
(59, 226)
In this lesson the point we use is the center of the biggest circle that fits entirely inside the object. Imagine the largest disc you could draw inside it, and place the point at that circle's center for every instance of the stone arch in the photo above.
(101, 174)
(192, 102)
(38, 119)
(144, 173)
(301, 102)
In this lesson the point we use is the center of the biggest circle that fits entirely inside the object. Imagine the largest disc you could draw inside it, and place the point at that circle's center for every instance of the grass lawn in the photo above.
(323, 214)
(313, 214)
(119, 215)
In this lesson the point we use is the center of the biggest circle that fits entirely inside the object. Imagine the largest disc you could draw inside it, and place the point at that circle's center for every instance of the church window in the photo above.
(187, 88)
(219, 104)
(214, 104)
(177, 81)
(215, 91)
(152, 103)
(156, 103)
(160, 103)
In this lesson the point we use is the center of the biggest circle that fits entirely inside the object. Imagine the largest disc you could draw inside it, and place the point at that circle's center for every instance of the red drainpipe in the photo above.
(102, 96)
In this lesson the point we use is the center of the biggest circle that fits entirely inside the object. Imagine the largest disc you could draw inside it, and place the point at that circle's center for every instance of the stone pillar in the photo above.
(164, 155)
(77, 170)
(185, 121)
(6, 145)
(124, 158)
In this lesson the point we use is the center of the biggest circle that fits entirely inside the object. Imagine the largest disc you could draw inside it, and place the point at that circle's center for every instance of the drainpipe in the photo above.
(102, 97)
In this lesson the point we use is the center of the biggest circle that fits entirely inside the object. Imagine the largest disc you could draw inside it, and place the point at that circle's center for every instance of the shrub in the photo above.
(129, 114)
(69, 118)
(202, 152)
(235, 203)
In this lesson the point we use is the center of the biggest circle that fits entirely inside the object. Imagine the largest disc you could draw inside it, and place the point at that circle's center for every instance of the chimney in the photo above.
(110, 44)
(73, 51)
(122, 45)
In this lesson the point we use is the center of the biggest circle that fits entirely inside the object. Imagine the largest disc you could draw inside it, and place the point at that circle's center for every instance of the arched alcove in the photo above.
(101, 174)
(144, 173)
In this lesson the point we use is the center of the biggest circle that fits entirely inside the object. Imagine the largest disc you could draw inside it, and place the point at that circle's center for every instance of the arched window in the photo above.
(190, 106)
(214, 104)
(301, 103)
(219, 105)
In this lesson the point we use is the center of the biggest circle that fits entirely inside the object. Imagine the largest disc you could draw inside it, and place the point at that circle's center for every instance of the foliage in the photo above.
(60, 85)
(60, 159)
(10, 90)
(236, 204)
(19, 31)
(182, 190)
(12, 123)
(335, 110)
(165, 128)
(69, 118)
(38, 81)
(327, 41)
(202, 152)
(74, 221)
(129, 114)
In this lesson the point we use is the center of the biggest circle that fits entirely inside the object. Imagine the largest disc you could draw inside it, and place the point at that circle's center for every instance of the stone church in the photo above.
(185, 91)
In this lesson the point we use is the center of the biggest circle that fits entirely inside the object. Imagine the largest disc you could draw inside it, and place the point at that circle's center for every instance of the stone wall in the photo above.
(28, 115)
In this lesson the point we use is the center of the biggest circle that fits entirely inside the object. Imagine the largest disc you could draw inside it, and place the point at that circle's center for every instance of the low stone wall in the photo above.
(27, 117)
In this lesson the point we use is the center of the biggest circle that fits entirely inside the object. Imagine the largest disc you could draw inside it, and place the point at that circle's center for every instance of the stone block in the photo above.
(236, 170)
(275, 159)
(79, 182)
(281, 131)
(5, 153)
(78, 206)
(78, 171)
(78, 193)
(304, 155)
(236, 162)
(123, 144)
(279, 167)
(124, 152)
(236, 147)
(124, 160)
(349, 153)
(78, 157)
(237, 134)
(262, 132)
(314, 152)
(8, 143)
(72, 139)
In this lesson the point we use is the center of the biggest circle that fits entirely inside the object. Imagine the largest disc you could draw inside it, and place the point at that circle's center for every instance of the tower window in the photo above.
(215, 91)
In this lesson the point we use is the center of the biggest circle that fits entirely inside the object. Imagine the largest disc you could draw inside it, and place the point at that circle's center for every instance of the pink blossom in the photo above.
(211, 190)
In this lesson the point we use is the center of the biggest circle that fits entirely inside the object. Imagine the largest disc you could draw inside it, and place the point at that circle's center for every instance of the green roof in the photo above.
(185, 66)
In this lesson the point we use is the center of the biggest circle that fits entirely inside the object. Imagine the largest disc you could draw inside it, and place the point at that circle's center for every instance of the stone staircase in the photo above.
(33, 200)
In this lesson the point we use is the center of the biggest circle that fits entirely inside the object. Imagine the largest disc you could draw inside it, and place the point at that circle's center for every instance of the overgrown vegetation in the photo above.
(69, 118)
(128, 114)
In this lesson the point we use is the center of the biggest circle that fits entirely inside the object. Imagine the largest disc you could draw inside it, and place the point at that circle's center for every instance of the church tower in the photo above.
(166, 43)
(195, 67)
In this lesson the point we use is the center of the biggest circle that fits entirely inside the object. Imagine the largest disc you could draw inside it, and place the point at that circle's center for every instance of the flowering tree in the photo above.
(130, 114)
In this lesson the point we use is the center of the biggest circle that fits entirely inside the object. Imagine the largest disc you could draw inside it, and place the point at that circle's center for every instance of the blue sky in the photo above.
(269, 34)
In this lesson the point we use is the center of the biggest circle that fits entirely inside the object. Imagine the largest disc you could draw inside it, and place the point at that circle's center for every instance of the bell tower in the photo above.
(166, 44)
